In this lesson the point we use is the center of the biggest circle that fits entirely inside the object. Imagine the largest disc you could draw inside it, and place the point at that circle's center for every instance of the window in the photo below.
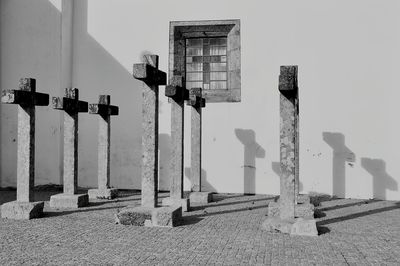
(207, 54)
(206, 63)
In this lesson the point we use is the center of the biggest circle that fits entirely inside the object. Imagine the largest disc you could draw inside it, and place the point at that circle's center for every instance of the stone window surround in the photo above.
(180, 30)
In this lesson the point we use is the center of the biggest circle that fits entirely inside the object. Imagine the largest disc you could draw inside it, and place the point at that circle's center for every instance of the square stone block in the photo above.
(305, 210)
(147, 216)
(61, 201)
(22, 210)
(297, 226)
(184, 203)
(108, 193)
(301, 199)
(200, 197)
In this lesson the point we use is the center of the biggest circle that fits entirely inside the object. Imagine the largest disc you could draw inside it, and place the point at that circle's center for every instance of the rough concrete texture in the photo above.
(26, 98)
(288, 138)
(22, 210)
(298, 226)
(184, 203)
(201, 197)
(177, 126)
(104, 110)
(105, 193)
(195, 167)
(63, 200)
(300, 199)
(305, 210)
(148, 216)
(149, 129)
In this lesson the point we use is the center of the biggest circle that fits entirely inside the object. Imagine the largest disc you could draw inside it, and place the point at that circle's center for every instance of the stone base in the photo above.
(22, 210)
(305, 210)
(69, 200)
(297, 226)
(184, 203)
(301, 199)
(147, 216)
(108, 193)
(200, 197)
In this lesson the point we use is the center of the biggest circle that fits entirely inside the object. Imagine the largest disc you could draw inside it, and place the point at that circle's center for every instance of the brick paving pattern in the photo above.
(224, 232)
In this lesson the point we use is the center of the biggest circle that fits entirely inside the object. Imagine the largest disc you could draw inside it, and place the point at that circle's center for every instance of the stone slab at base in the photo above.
(108, 193)
(22, 210)
(61, 201)
(147, 216)
(200, 197)
(305, 210)
(184, 203)
(297, 226)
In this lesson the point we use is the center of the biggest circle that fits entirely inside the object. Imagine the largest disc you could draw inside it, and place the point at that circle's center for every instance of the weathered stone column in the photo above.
(148, 213)
(26, 98)
(288, 139)
(286, 215)
(71, 105)
(104, 110)
(197, 102)
(177, 95)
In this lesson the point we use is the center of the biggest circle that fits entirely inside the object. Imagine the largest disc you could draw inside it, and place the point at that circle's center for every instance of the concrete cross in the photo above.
(177, 95)
(72, 106)
(196, 101)
(104, 110)
(288, 141)
(152, 77)
(26, 98)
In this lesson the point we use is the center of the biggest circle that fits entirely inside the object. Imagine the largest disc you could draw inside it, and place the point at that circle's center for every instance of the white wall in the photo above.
(347, 52)
(30, 47)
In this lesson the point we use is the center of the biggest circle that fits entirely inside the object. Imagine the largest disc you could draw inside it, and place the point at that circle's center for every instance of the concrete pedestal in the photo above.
(184, 203)
(22, 210)
(148, 216)
(200, 197)
(305, 210)
(69, 200)
(297, 226)
(108, 193)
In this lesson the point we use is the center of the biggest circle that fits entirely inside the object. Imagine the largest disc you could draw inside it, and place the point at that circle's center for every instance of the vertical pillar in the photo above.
(288, 137)
(177, 95)
(26, 98)
(71, 105)
(104, 110)
(197, 102)
(152, 77)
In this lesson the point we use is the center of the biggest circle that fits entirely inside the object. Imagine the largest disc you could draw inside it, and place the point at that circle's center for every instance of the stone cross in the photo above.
(197, 102)
(104, 110)
(288, 141)
(177, 95)
(26, 98)
(72, 106)
(152, 77)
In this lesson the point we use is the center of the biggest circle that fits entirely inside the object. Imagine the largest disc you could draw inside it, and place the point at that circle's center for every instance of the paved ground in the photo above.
(353, 232)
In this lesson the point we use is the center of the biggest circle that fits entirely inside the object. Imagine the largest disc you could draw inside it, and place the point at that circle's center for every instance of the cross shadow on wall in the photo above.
(99, 72)
(341, 155)
(205, 185)
(276, 167)
(252, 150)
(382, 181)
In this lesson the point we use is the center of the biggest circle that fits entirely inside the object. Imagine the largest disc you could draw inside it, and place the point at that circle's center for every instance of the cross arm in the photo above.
(149, 74)
(288, 80)
(24, 97)
(176, 89)
(103, 109)
(68, 104)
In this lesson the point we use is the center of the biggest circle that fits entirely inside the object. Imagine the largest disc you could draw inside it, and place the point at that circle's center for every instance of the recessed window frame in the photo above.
(181, 30)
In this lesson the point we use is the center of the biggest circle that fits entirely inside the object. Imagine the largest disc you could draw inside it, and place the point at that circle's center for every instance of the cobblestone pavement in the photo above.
(225, 232)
